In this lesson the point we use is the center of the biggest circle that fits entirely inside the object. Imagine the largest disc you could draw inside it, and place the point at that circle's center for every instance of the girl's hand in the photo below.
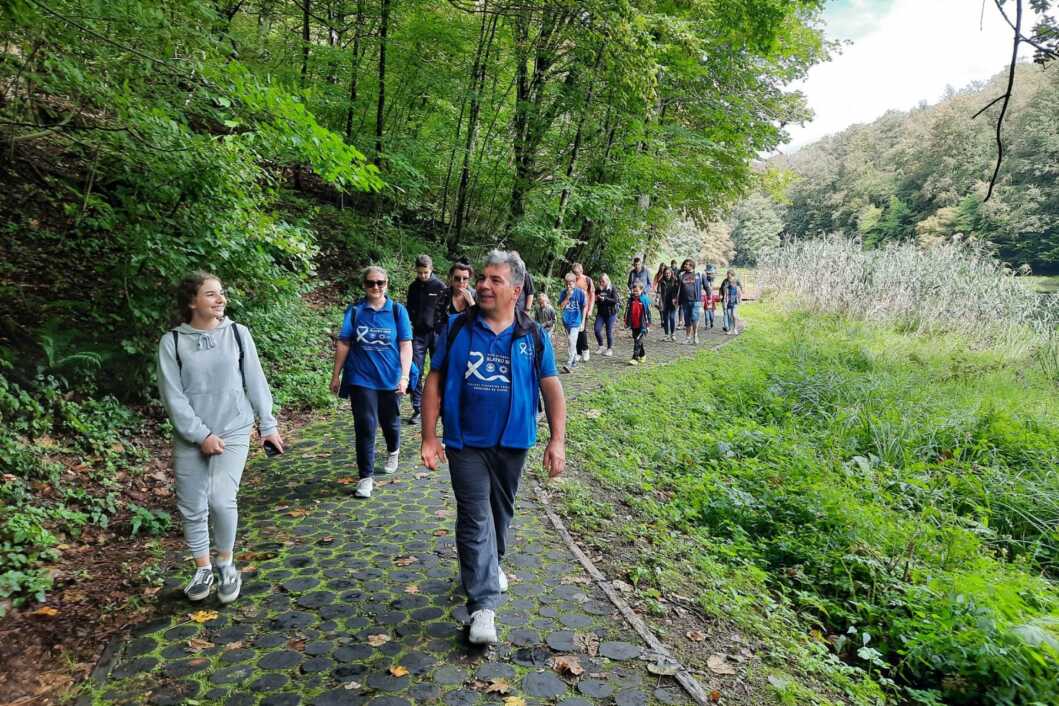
(212, 445)
(276, 440)
(402, 386)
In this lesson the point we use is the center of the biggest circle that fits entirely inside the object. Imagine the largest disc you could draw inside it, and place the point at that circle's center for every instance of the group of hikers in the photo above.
(503, 374)
(683, 298)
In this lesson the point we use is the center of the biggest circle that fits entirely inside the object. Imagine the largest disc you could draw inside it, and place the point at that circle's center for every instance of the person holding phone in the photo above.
(212, 386)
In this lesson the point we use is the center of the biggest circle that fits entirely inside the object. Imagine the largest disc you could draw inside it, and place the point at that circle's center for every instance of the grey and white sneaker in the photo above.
(391, 463)
(231, 582)
(503, 580)
(364, 488)
(483, 629)
(200, 584)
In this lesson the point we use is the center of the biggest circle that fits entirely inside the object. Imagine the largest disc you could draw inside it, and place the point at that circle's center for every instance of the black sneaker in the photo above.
(414, 419)
(200, 584)
(231, 582)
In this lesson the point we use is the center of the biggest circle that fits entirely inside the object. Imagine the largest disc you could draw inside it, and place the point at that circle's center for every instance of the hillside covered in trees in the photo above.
(923, 175)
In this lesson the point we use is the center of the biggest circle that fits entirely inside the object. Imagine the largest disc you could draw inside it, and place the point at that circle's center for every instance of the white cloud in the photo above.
(917, 48)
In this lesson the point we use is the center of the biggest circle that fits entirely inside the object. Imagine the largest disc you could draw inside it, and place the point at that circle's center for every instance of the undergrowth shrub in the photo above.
(896, 499)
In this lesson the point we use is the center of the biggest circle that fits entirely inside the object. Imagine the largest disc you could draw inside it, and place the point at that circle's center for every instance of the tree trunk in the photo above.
(305, 40)
(358, 28)
(380, 112)
(477, 86)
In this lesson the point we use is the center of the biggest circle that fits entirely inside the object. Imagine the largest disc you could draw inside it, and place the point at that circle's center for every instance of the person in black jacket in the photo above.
(668, 292)
(422, 303)
(606, 315)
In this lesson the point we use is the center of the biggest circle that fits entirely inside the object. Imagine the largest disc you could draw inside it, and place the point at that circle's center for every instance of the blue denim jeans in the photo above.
(729, 317)
(421, 345)
(608, 322)
(669, 320)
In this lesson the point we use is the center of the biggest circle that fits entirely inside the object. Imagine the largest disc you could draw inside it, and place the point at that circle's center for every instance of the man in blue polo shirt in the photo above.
(488, 371)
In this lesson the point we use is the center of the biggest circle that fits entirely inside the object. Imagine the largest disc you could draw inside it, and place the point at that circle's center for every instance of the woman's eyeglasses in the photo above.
(461, 279)
(374, 283)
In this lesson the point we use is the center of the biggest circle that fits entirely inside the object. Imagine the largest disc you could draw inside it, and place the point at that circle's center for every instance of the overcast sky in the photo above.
(902, 52)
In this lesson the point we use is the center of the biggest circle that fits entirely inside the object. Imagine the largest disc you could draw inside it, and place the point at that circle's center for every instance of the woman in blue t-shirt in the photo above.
(731, 295)
(373, 356)
(574, 306)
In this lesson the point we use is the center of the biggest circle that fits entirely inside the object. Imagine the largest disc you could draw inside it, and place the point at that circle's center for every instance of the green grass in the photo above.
(880, 508)
(1044, 284)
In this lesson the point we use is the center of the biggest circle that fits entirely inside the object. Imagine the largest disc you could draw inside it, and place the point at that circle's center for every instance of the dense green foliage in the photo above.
(846, 491)
(922, 176)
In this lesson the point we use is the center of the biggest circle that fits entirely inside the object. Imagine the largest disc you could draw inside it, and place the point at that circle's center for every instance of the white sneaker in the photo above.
(696, 339)
(391, 463)
(503, 580)
(483, 630)
(599, 351)
(609, 352)
(364, 487)
(585, 357)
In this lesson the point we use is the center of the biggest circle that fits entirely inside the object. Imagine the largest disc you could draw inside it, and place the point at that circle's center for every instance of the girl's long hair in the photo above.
(187, 290)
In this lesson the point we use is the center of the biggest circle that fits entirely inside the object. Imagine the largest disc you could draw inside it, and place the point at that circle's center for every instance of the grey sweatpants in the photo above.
(206, 489)
(484, 482)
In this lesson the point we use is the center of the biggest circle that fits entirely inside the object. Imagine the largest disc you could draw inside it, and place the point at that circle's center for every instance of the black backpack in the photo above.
(461, 321)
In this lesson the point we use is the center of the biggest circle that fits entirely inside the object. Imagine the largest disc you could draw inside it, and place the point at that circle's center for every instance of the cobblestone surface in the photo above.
(353, 601)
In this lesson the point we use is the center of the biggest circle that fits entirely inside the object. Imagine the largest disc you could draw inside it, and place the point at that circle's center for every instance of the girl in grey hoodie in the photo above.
(212, 386)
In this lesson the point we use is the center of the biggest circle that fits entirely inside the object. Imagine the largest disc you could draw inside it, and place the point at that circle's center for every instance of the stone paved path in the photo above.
(326, 574)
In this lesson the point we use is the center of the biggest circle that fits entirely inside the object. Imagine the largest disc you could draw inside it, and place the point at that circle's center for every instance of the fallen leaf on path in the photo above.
(696, 635)
(196, 644)
(46, 611)
(298, 645)
(440, 532)
(718, 664)
(663, 669)
(300, 512)
(378, 640)
(441, 513)
(498, 686)
(411, 588)
(351, 685)
(237, 645)
(715, 696)
(406, 560)
(622, 586)
(572, 579)
(346, 481)
(587, 642)
(398, 671)
(421, 476)
(514, 701)
(567, 664)
(202, 616)
(327, 540)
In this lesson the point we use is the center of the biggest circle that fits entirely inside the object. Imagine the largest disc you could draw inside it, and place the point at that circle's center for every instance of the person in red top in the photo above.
(638, 318)
(710, 297)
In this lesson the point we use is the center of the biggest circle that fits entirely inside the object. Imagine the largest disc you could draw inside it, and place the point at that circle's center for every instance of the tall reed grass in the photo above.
(948, 288)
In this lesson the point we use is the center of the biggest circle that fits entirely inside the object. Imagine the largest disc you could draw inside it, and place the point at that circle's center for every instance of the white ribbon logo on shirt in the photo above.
(472, 369)
(362, 333)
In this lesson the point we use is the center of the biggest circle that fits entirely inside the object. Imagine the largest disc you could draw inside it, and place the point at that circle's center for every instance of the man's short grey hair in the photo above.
(512, 260)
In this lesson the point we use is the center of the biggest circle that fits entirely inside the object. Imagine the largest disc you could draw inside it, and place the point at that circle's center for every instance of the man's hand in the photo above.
(402, 386)
(432, 453)
(555, 458)
(212, 445)
(335, 384)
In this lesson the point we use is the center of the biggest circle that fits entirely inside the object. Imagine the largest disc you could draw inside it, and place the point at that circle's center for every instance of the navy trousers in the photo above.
(371, 409)
(484, 482)
(421, 345)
